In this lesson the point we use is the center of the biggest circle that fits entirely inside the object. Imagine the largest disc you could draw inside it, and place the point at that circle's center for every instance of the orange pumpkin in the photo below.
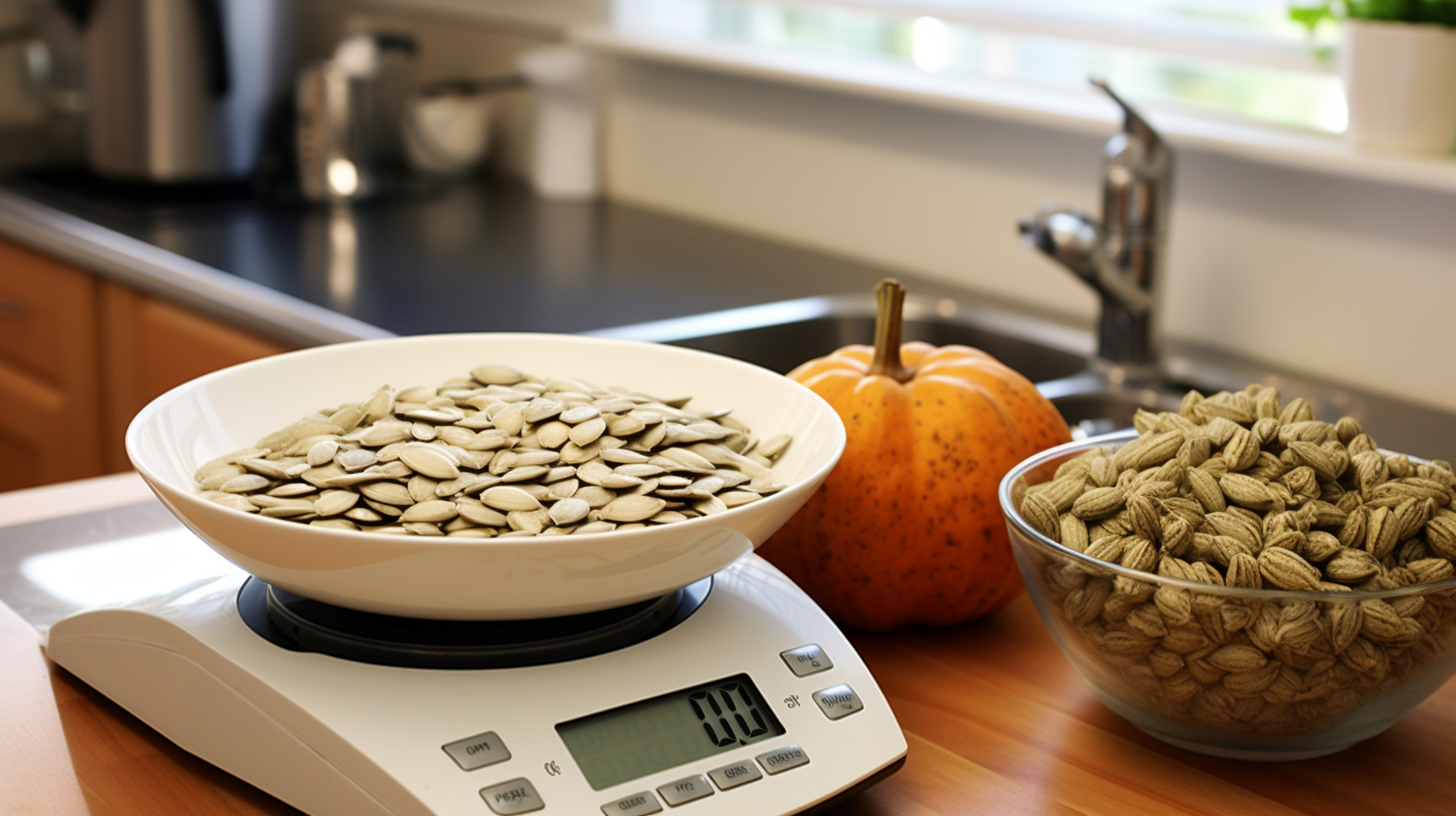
(907, 528)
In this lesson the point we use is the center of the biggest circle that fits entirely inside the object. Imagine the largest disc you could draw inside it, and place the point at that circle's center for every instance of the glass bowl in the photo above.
(1262, 674)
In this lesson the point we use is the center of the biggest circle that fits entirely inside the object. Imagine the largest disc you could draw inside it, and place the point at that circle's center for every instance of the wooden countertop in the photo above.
(997, 723)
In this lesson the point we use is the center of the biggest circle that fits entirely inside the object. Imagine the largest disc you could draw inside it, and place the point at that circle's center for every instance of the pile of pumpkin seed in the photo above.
(499, 453)
(1242, 490)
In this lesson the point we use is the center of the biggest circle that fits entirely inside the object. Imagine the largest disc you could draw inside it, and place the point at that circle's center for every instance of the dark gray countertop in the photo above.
(475, 255)
(487, 255)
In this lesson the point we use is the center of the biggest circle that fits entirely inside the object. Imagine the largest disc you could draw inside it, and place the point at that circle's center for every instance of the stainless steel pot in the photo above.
(183, 90)
(348, 113)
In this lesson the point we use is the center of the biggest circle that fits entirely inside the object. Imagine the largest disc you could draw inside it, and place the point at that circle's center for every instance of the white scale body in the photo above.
(332, 736)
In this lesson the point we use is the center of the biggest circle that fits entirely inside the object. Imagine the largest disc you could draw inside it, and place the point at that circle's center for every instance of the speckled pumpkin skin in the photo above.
(907, 528)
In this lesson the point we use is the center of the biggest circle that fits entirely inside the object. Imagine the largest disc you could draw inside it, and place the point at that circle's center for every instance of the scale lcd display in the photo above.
(651, 735)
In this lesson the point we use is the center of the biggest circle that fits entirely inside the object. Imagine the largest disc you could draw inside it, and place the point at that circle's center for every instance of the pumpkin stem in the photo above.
(889, 324)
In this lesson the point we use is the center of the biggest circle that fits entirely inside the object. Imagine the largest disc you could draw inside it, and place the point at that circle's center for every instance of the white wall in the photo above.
(1348, 280)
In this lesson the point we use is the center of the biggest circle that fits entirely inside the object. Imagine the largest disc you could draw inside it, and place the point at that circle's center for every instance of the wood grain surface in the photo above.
(997, 723)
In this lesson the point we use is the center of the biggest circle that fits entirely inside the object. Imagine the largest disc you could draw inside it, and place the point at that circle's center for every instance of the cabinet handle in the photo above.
(12, 310)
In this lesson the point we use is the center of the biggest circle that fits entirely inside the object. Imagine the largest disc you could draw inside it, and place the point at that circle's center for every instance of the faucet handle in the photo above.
(1133, 123)
(1137, 173)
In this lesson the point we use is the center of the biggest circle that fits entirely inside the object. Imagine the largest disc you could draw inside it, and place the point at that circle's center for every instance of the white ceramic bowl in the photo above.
(474, 579)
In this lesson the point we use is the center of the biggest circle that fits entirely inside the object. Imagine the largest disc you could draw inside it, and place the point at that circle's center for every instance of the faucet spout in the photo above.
(1072, 238)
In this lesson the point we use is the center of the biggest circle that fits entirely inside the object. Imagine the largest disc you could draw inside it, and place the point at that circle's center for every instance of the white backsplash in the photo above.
(1349, 280)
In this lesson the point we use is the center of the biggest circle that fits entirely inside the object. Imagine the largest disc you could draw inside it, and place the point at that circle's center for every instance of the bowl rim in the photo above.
(1121, 437)
(189, 489)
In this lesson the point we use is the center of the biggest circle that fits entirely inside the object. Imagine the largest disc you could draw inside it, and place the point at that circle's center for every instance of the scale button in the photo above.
(782, 759)
(638, 804)
(478, 751)
(685, 790)
(515, 796)
(838, 701)
(739, 773)
(807, 659)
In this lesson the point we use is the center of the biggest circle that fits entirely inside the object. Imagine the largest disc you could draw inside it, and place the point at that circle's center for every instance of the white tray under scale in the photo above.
(332, 736)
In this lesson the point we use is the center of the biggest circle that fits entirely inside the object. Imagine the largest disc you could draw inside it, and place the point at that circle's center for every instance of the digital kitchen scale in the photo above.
(736, 695)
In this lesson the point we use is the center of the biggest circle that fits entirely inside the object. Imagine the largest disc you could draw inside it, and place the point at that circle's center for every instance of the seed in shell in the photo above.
(633, 508)
(1288, 517)
(429, 460)
(508, 498)
(569, 511)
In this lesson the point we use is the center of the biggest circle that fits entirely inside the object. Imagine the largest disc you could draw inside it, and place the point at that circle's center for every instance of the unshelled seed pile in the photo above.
(499, 453)
(1240, 491)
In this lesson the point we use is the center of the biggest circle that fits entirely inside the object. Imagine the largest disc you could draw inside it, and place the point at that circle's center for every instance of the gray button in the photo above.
(478, 751)
(515, 796)
(685, 790)
(638, 804)
(838, 701)
(790, 756)
(806, 660)
(739, 773)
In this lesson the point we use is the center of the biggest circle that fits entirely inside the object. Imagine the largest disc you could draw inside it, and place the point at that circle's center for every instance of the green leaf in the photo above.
(1311, 16)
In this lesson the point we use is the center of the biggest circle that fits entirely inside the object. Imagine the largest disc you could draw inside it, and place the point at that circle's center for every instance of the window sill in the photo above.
(1021, 102)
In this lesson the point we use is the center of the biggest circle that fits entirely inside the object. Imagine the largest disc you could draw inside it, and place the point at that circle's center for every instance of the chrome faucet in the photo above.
(1122, 256)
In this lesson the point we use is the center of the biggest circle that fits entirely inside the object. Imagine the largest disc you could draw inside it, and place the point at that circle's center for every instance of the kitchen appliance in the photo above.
(349, 671)
(183, 90)
(735, 694)
(448, 124)
(363, 127)
(565, 123)
(349, 110)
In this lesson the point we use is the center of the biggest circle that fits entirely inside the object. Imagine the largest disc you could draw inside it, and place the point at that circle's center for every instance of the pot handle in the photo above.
(80, 10)
(214, 46)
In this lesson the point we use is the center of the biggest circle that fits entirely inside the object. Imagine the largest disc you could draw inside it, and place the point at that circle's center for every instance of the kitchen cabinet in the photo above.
(50, 426)
(80, 355)
(150, 346)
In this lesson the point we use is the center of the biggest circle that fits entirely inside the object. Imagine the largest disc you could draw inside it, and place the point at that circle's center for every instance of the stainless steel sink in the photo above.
(782, 335)
(1052, 354)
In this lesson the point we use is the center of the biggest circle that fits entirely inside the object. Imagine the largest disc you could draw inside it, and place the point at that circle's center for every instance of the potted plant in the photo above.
(1398, 68)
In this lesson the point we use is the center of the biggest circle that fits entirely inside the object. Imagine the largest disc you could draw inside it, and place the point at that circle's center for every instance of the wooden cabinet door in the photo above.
(150, 346)
(49, 419)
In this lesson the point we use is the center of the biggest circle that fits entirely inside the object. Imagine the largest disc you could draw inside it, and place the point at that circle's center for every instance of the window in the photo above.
(1253, 31)
(1238, 59)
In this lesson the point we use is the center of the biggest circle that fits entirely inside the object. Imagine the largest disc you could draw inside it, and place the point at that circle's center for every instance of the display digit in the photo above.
(761, 726)
(728, 737)
(743, 693)
(638, 739)
(726, 692)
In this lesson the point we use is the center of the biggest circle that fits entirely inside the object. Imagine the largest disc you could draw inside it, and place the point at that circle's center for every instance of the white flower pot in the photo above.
(1400, 84)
